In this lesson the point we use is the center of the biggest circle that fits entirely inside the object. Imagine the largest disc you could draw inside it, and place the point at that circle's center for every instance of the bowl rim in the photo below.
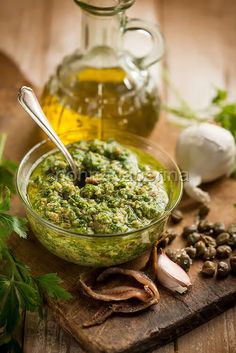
(165, 214)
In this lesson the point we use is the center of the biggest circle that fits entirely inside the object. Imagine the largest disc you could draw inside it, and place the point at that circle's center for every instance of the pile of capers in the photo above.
(206, 241)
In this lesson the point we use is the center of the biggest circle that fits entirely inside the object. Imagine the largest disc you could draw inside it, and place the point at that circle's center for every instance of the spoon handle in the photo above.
(30, 103)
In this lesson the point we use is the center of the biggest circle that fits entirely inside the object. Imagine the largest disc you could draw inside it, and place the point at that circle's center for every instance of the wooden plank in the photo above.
(168, 348)
(19, 334)
(46, 336)
(219, 336)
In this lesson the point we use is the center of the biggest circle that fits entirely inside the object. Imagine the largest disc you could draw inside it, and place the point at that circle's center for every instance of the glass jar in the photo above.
(102, 85)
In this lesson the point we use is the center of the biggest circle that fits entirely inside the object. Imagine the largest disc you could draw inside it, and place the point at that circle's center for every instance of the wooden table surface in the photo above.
(200, 54)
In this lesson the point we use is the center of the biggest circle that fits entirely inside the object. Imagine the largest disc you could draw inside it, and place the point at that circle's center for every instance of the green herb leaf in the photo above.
(24, 271)
(219, 110)
(3, 139)
(20, 226)
(4, 285)
(9, 307)
(19, 289)
(50, 284)
(181, 112)
(4, 198)
(10, 224)
(7, 178)
(7, 168)
(220, 96)
(5, 338)
(226, 117)
(29, 295)
(11, 347)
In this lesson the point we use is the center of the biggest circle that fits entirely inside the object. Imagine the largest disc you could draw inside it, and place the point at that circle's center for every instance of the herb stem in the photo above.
(14, 271)
(3, 138)
(175, 90)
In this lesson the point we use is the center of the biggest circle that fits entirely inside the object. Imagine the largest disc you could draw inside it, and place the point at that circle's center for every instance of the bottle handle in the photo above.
(152, 30)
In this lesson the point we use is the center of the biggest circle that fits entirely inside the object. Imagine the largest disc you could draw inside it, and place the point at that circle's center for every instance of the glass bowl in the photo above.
(98, 250)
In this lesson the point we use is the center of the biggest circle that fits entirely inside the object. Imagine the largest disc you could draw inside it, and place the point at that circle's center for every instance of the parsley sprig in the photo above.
(20, 290)
(226, 111)
(8, 223)
(7, 167)
(219, 110)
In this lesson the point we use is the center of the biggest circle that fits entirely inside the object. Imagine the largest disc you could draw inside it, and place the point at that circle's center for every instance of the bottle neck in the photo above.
(100, 31)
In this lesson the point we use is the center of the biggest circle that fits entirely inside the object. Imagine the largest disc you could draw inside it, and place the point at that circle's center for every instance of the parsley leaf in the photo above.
(220, 96)
(226, 117)
(7, 168)
(4, 198)
(12, 346)
(19, 289)
(9, 307)
(219, 110)
(8, 223)
(50, 284)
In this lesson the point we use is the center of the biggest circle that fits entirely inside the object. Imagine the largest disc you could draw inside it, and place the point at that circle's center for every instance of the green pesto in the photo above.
(123, 191)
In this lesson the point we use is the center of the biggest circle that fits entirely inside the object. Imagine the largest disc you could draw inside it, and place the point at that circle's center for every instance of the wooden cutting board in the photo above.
(175, 314)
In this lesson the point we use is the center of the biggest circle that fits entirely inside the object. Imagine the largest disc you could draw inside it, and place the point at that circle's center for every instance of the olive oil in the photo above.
(95, 99)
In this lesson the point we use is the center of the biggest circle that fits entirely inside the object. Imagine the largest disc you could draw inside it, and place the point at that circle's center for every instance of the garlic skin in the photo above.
(206, 152)
(171, 275)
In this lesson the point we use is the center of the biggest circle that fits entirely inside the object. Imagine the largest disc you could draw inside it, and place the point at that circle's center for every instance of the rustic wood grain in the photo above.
(217, 337)
(173, 316)
(47, 336)
(200, 33)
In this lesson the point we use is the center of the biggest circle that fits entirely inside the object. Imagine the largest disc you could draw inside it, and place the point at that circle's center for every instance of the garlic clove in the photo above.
(171, 275)
(207, 152)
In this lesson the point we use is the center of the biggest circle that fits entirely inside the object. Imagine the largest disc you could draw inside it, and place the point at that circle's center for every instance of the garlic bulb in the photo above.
(171, 275)
(206, 152)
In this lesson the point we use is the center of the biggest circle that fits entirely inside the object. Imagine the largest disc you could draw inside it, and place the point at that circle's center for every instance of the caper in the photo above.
(189, 230)
(208, 268)
(210, 253)
(222, 269)
(232, 241)
(208, 240)
(176, 216)
(172, 254)
(171, 235)
(193, 238)
(232, 229)
(219, 227)
(223, 251)
(200, 246)
(191, 251)
(233, 264)
(205, 226)
(184, 260)
(203, 211)
(222, 238)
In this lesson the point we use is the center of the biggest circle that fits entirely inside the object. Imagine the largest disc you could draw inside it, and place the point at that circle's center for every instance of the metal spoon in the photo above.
(30, 103)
